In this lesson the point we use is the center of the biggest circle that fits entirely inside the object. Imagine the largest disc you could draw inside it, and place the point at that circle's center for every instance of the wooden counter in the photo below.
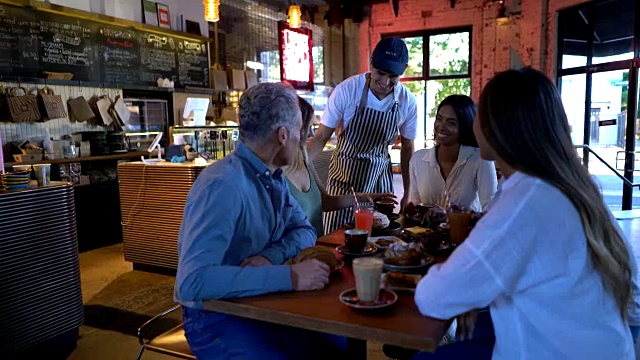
(129, 155)
(152, 200)
(41, 298)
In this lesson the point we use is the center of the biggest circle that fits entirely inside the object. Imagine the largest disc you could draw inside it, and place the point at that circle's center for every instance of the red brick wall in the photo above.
(528, 36)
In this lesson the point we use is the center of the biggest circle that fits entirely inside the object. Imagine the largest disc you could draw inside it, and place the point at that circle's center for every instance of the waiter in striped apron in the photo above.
(368, 111)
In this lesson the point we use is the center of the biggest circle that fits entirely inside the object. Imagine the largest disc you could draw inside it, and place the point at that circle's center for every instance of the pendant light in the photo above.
(295, 13)
(211, 10)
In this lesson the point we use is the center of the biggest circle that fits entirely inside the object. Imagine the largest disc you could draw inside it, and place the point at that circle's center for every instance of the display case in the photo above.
(148, 118)
(210, 142)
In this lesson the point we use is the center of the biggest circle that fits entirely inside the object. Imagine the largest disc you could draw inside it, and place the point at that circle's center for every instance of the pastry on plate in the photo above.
(380, 220)
(404, 254)
(395, 279)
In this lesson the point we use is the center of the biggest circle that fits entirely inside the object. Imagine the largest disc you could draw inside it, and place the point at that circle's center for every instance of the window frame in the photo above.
(426, 35)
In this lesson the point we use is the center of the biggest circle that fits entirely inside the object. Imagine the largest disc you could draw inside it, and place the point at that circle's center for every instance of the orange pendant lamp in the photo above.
(211, 10)
(295, 14)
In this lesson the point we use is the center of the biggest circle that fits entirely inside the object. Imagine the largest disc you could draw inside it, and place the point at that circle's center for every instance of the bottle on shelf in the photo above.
(47, 145)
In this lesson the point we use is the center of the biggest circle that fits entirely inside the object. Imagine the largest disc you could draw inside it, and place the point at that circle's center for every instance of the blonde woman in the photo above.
(305, 185)
(547, 258)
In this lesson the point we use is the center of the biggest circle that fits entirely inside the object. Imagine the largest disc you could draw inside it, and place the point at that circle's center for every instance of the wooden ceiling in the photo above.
(338, 9)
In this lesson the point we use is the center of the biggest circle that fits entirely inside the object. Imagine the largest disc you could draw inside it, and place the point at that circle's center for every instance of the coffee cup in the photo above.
(22, 167)
(385, 206)
(366, 272)
(356, 240)
(43, 173)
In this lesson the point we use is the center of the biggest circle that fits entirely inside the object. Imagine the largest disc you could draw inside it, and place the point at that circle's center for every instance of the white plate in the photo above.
(384, 284)
(374, 239)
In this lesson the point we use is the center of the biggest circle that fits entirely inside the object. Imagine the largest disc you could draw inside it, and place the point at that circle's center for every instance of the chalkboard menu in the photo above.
(193, 63)
(33, 41)
(119, 52)
(68, 45)
(158, 57)
(18, 41)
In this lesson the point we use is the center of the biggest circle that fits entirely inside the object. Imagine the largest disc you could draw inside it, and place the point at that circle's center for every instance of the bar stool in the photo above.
(172, 342)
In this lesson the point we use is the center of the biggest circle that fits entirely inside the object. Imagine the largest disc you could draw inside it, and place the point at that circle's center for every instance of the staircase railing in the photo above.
(624, 179)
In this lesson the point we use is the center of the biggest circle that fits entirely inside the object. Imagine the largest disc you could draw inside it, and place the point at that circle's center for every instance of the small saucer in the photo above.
(380, 241)
(385, 299)
(393, 216)
(393, 227)
(369, 249)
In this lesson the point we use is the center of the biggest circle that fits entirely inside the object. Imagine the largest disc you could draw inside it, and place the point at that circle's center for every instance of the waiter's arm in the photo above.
(405, 156)
(316, 143)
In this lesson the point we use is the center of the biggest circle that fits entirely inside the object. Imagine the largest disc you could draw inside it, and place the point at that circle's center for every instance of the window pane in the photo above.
(609, 95)
(417, 88)
(574, 30)
(318, 64)
(438, 90)
(449, 54)
(416, 57)
(613, 35)
(271, 61)
(573, 92)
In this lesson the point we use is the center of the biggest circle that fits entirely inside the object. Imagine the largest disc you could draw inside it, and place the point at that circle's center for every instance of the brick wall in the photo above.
(528, 37)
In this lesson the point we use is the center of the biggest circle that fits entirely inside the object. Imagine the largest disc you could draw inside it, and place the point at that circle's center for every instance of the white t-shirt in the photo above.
(345, 99)
(471, 183)
(527, 260)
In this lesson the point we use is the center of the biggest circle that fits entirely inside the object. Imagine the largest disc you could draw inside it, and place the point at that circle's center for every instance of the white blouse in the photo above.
(471, 183)
(527, 260)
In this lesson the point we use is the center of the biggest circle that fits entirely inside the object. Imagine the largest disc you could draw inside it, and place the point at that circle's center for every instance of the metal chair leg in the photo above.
(140, 353)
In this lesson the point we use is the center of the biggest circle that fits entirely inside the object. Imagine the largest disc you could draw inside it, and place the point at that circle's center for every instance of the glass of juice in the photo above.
(363, 214)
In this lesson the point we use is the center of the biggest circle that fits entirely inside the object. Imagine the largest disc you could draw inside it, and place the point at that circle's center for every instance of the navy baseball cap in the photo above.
(390, 55)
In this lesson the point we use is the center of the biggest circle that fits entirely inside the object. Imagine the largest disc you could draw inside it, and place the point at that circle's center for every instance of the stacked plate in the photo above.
(15, 180)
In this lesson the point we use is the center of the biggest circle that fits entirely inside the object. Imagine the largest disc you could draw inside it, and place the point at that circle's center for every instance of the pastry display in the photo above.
(404, 254)
(380, 220)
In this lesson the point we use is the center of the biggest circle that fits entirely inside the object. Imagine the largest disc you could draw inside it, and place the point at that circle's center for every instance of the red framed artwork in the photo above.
(164, 20)
(296, 62)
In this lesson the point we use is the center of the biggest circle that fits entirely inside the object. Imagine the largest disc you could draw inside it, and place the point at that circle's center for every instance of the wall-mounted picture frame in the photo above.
(164, 18)
(149, 12)
(192, 27)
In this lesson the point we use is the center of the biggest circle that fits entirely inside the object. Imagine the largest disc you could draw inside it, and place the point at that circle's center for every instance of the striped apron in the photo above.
(361, 158)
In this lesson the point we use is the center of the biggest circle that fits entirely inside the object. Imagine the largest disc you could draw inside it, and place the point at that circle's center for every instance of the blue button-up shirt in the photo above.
(237, 209)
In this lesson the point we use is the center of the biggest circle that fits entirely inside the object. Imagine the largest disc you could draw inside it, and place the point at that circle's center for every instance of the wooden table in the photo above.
(401, 324)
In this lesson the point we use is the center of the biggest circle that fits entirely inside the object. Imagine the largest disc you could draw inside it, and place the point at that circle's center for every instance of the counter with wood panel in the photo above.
(152, 200)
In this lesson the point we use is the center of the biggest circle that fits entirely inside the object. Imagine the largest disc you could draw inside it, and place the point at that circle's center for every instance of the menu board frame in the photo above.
(73, 42)
(295, 46)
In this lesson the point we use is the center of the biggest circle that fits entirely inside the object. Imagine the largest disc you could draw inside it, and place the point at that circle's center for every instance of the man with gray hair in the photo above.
(240, 226)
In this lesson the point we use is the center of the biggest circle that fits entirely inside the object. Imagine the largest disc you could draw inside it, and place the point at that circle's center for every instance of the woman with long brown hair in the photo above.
(548, 258)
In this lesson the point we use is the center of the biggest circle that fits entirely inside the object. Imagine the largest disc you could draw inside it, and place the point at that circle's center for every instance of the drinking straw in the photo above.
(1, 156)
(355, 198)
